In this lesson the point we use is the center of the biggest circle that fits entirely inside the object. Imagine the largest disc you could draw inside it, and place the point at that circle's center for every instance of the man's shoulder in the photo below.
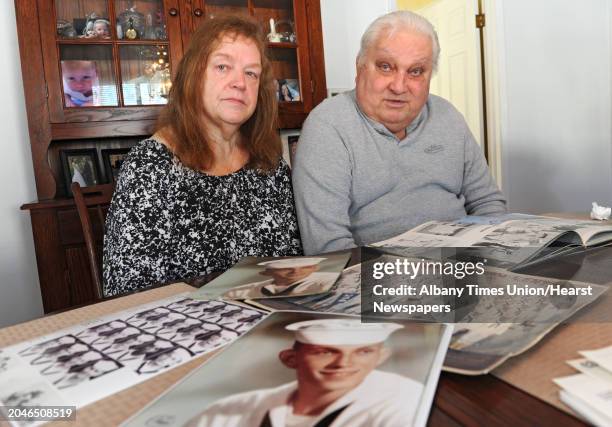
(442, 109)
(333, 110)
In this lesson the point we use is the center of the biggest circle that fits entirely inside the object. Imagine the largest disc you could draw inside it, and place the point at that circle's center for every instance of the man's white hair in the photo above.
(395, 21)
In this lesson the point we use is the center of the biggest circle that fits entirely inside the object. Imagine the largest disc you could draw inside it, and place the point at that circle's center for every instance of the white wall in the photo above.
(556, 122)
(20, 298)
(344, 21)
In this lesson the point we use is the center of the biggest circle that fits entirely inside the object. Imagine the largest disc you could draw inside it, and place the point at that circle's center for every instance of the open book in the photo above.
(508, 241)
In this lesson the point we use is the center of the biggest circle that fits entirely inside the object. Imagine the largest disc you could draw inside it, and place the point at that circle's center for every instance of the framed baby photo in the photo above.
(80, 165)
(112, 159)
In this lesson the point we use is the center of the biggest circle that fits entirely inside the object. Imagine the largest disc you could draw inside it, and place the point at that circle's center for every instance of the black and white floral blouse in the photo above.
(168, 222)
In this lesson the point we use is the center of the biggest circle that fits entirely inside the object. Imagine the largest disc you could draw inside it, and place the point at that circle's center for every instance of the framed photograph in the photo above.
(80, 83)
(80, 166)
(289, 139)
(292, 142)
(113, 159)
(288, 90)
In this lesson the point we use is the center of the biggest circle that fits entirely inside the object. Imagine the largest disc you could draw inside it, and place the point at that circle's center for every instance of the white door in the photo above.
(459, 78)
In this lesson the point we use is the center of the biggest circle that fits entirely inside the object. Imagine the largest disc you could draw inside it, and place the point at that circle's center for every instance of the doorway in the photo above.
(459, 77)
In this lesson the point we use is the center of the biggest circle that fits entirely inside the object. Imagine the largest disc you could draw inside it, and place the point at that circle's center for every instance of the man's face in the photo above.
(231, 81)
(393, 79)
(333, 368)
(288, 275)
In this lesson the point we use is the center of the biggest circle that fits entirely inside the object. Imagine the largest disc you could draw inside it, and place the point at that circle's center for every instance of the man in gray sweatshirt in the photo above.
(387, 156)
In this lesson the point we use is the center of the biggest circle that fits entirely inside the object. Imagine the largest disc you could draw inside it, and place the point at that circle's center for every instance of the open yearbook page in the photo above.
(315, 369)
(507, 241)
(479, 345)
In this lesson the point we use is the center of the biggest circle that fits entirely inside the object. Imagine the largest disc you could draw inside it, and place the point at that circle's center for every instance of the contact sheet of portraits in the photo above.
(85, 363)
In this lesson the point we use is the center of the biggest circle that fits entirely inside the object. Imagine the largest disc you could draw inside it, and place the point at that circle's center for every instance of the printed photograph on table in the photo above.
(343, 298)
(276, 277)
(113, 159)
(87, 362)
(388, 376)
(80, 165)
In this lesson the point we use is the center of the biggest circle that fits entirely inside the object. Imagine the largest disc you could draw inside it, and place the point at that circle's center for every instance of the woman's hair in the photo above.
(182, 121)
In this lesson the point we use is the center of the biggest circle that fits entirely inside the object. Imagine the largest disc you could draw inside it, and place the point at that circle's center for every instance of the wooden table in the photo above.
(484, 400)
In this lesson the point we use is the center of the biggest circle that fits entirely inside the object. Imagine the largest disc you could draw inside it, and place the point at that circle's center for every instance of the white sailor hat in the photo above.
(291, 262)
(341, 332)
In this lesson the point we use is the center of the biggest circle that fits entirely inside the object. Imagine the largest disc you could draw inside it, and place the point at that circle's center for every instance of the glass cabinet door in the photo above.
(277, 19)
(140, 20)
(145, 74)
(108, 54)
(82, 19)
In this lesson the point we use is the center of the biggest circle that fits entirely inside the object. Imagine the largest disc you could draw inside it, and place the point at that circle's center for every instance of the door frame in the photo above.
(495, 84)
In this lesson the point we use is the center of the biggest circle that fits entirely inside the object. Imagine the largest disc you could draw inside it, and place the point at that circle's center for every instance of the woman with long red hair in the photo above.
(210, 186)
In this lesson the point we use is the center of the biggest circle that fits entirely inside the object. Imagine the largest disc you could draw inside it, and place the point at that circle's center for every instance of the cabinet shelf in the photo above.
(111, 42)
(283, 45)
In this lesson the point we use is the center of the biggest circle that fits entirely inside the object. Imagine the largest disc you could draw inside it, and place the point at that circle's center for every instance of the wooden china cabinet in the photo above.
(96, 73)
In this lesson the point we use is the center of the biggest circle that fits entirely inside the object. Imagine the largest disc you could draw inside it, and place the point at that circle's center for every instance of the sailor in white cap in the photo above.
(337, 383)
(288, 277)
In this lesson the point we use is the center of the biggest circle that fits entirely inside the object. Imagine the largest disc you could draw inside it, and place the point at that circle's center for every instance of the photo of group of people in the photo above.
(88, 362)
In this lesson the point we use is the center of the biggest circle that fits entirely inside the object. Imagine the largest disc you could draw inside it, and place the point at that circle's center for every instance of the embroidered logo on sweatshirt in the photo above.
(433, 149)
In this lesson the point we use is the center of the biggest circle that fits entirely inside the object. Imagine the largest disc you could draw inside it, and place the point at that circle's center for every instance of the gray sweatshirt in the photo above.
(355, 183)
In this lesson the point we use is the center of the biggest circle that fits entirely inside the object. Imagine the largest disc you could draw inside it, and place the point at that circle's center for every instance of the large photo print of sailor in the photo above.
(311, 370)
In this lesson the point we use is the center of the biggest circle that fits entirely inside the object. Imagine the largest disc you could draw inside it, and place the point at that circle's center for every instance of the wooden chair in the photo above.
(99, 197)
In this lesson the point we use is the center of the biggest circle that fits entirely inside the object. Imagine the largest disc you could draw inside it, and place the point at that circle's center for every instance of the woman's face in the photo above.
(231, 82)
